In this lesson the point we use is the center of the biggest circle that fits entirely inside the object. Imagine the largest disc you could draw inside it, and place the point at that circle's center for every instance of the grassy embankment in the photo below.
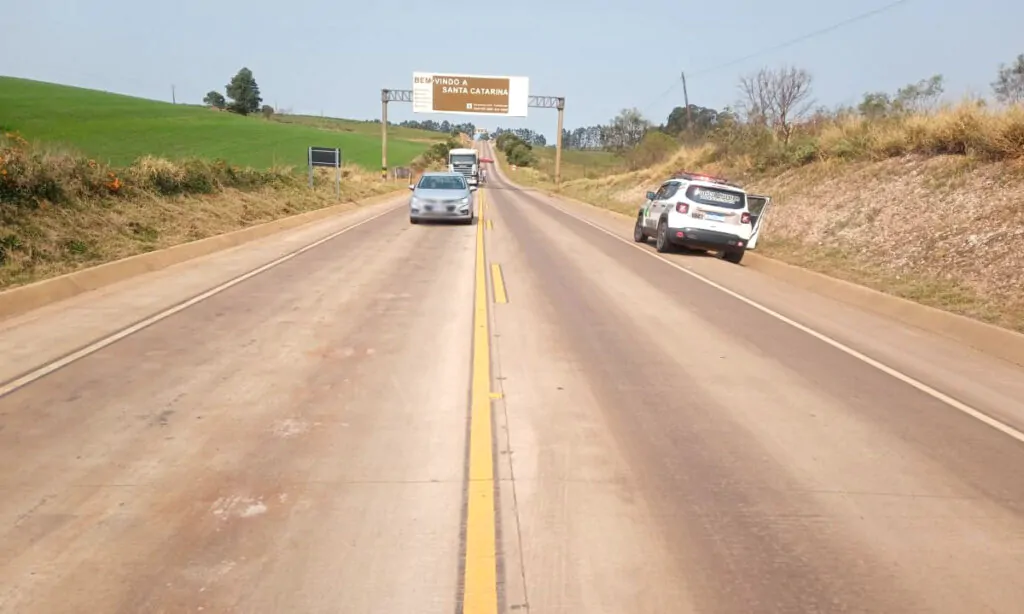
(927, 207)
(88, 177)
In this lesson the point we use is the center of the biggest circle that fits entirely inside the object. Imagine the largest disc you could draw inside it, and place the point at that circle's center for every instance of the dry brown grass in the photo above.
(89, 219)
(942, 230)
(965, 129)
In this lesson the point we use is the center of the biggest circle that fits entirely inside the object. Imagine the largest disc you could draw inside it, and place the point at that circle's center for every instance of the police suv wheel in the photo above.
(662, 244)
(638, 231)
(734, 257)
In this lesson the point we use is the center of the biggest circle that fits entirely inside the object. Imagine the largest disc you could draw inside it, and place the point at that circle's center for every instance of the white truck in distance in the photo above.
(466, 162)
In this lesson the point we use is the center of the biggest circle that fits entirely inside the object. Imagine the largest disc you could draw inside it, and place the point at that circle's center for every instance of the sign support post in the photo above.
(326, 156)
(558, 143)
(384, 134)
(309, 163)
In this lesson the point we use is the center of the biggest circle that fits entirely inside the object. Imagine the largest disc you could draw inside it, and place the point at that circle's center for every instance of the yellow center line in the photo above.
(480, 580)
(499, 284)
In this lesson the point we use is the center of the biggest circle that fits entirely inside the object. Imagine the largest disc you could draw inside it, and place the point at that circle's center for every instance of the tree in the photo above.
(704, 121)
(777, 98)
(918, 97)
(626, 130)
(520, 154)
(244, 93)
(516, 150)
(1009, 85)
(875, 105)
(267, 111)
(215, 99)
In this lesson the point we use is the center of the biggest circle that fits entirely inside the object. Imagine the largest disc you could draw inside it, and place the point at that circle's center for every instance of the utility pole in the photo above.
(384, 134)
(686, 101)
(174, 98)
(558, 143)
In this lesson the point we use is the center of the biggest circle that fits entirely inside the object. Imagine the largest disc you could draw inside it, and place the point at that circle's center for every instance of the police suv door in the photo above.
(650, 215)
(663, 201)
(758, 206)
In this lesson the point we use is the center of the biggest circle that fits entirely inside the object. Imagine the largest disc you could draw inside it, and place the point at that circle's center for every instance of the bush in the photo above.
(655, 147)
(520, 154)
(516, 150)
(966, 129)
(31, 177)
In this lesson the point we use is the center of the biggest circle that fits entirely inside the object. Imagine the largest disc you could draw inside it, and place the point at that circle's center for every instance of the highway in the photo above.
(530, 414)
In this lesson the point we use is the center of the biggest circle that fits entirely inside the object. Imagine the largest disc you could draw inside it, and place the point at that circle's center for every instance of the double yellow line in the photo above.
(480, 577)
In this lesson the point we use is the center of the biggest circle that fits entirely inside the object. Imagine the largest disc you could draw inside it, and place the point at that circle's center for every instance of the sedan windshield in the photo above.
(440, 182)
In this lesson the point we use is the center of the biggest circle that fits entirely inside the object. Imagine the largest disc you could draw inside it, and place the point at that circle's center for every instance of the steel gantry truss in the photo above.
(536, 102)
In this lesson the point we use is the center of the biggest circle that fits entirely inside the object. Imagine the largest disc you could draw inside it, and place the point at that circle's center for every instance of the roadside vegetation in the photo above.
(902, 193)
(60, 212)
(87, 177)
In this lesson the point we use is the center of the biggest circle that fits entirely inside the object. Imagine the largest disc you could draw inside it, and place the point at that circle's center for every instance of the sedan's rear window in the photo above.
(442, 182)
(716, 197)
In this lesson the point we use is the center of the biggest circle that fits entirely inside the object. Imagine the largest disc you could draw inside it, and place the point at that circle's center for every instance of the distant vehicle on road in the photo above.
(442, 196)
(465, 161)
(484, 162)
(701, 213)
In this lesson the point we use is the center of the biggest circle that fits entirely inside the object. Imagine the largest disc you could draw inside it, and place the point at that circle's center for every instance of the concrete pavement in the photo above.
(295, 443)
(678, 450)
(320, 438)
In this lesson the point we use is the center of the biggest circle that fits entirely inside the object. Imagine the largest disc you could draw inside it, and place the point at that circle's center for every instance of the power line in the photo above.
(801, 39)
(788, 43)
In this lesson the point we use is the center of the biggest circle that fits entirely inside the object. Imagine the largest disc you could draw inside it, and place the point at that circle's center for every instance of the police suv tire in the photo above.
(638, 231)
(662, 243)
(734, 257)
(413, 220)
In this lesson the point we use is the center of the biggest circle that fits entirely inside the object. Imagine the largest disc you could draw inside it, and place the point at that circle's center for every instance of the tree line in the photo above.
(445, 126)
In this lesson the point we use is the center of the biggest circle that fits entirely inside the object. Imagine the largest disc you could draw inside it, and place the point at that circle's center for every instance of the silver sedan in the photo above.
(442, 196)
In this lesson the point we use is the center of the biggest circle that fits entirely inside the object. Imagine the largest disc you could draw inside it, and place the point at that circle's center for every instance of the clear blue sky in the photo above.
(335, 56)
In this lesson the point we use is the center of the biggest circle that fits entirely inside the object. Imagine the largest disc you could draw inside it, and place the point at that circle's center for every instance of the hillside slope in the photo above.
(118, 129)
(944, 230)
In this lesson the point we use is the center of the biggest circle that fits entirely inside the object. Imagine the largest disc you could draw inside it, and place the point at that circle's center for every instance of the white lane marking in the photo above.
(925, 388)
(45, 370)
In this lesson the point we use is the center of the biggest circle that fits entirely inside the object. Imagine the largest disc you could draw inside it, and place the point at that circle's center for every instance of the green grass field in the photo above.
(118, 129)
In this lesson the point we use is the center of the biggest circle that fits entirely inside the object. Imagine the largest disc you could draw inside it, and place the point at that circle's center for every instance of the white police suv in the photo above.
(699, 212)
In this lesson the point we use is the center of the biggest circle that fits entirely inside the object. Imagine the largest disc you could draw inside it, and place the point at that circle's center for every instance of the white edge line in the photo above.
(95, 346)
(925, 388)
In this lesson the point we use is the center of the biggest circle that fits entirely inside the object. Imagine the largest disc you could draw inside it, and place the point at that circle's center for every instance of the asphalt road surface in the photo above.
(529, 414)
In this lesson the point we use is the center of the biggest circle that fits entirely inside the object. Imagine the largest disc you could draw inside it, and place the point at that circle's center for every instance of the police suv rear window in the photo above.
(715, 197)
